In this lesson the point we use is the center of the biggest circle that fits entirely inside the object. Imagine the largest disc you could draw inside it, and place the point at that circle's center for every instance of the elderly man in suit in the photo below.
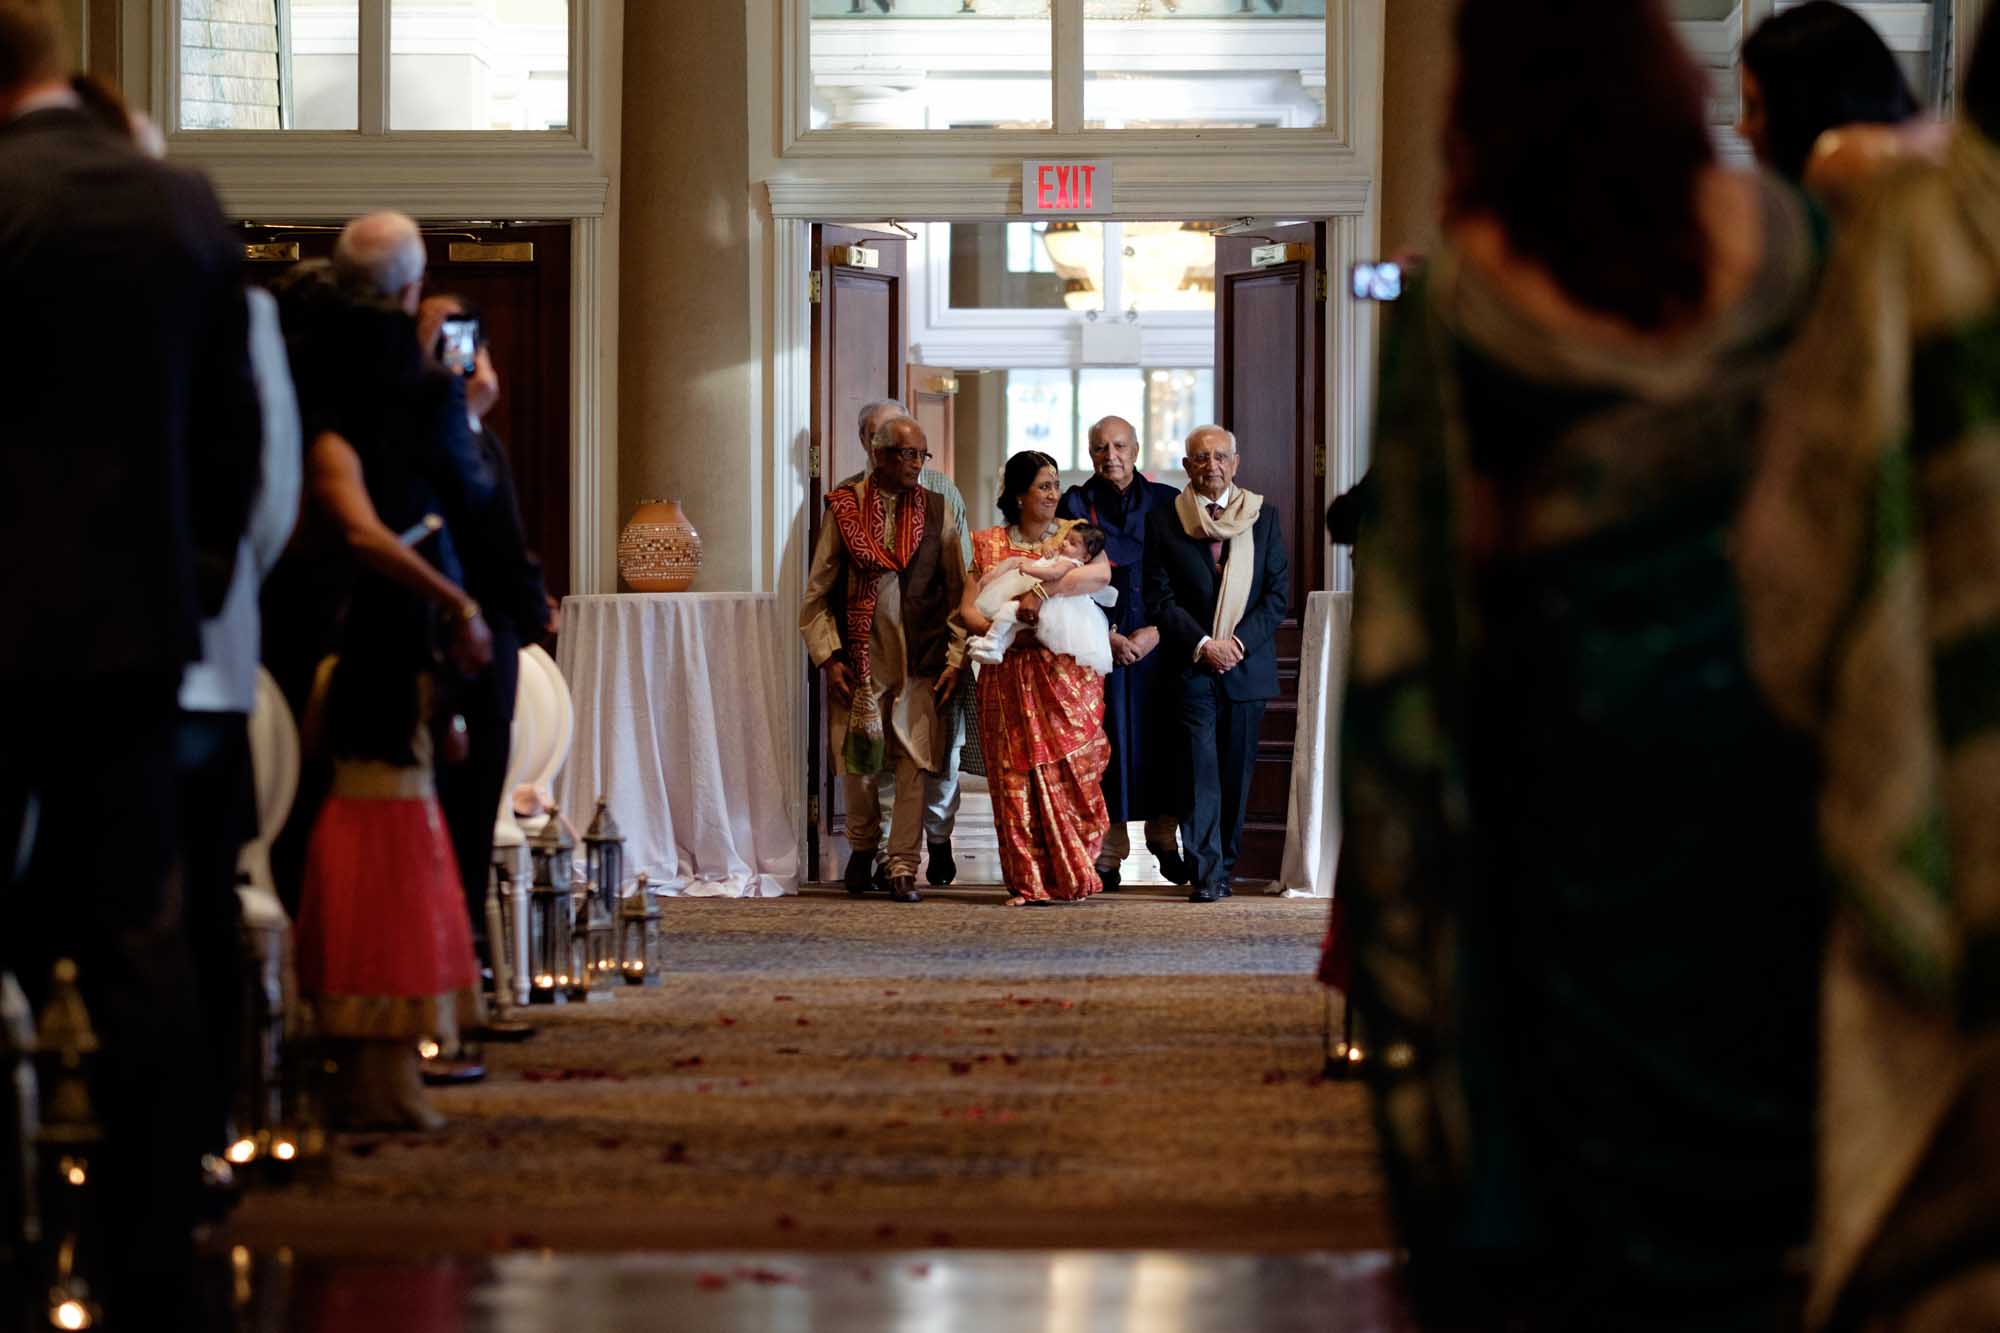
(940, 786)
(130, 442)
(1217, 583)
(886, 576)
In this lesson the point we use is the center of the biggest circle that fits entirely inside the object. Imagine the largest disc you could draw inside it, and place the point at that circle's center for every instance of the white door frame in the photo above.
(1352, 234)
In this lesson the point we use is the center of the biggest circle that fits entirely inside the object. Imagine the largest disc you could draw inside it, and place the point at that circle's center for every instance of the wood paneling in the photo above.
(1270, 360)
(858, 351)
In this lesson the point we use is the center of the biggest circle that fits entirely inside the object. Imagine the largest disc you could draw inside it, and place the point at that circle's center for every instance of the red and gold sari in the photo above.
(1041, 725)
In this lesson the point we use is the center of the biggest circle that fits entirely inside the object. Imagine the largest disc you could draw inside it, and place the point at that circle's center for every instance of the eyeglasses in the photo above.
(905, 455)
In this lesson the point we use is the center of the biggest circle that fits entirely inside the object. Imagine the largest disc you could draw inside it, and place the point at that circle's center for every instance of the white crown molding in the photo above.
(253, 188)
(1195, 194)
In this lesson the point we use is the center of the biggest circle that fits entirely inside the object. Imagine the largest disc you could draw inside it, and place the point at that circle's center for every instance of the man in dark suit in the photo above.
(1217, 583)
(129, 448)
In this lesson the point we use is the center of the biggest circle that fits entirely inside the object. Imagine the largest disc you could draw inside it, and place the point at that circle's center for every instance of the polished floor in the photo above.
(896, 1292)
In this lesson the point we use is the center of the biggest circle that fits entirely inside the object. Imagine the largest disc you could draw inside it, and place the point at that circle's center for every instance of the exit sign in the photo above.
(1049, 188)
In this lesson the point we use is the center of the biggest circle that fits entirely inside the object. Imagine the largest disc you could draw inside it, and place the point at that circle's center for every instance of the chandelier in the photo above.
(1163, 265)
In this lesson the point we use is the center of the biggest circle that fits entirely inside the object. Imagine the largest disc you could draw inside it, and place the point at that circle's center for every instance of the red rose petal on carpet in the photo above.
(711, 1281)
(786, 1222)
(886, 1231)
(781, 999)
(961, 1066)
(725, 1020)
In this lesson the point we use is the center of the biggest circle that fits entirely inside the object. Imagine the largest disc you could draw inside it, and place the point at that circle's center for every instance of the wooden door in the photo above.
(858, 350)
(1270, 366)
(933, 401)
(518, 280)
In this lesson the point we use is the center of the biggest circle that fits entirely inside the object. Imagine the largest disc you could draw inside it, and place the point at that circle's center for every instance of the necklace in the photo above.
(1017, 537)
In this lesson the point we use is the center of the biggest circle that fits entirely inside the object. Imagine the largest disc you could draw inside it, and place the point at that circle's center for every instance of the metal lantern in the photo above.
(68, 1142)
(604, 857)
(593, 949)
(638, 935)
(549, 923)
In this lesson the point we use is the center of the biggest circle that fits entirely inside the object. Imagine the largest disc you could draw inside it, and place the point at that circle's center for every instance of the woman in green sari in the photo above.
(1579, 861)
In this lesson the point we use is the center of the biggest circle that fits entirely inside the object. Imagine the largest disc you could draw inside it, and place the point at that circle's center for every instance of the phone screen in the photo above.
(1376, 282)
(458, 345)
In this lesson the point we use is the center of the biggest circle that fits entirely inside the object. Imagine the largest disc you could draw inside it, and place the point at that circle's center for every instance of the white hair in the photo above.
(381, 252)
(869, 409)
(885, 434)
(1230, 436)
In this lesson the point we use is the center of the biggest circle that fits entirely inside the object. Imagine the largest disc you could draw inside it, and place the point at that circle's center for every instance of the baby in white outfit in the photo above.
(1072, 625)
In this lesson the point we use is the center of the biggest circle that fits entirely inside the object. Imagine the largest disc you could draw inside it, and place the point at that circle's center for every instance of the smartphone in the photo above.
(458, 345)
(1381, 281)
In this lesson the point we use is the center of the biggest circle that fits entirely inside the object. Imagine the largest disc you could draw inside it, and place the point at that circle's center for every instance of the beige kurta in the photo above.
(908, 707)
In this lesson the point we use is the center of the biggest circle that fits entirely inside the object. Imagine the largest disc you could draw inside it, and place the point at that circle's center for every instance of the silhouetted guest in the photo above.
(1578, 858)
(1823, 98)
(1218, 582)
(129, 453)
(1874, 600)
(507, 579)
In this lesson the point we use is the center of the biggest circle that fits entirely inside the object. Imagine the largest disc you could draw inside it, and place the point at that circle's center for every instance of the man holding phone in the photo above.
(506, 578)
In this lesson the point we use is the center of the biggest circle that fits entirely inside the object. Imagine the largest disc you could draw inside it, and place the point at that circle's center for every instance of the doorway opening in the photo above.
(1001, 336)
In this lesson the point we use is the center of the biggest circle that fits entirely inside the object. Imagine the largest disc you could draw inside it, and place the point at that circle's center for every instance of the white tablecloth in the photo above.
(679, 720)
(1312, 827)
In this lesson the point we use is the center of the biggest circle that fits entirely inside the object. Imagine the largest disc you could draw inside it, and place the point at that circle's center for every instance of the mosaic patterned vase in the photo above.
(659, 550)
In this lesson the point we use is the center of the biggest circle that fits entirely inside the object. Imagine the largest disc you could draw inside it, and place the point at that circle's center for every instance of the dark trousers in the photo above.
(218, 815)
(469, 792)
(94, 761)
(1221, 736)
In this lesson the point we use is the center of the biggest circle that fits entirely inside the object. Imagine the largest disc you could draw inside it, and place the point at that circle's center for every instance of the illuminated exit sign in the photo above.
(1049, 188)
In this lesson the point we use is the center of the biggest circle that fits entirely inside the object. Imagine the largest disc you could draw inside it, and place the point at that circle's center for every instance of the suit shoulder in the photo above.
(1162, 493)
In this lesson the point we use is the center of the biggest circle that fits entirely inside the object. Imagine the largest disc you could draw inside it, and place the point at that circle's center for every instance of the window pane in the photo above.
(1041, 414)
(1176, 402)
(1108, 392)
(930, 64)
(1223, 64)
(479, 64)
(1027, 265)
(270, 64)
(1169, 265)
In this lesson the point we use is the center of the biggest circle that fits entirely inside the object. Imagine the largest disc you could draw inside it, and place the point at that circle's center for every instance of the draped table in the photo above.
(1312, 825)
(680, 721)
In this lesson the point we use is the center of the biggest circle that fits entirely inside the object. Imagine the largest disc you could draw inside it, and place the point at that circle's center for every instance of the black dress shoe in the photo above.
(903, 889)
(1172, 864)
(860, 874)
(942, 870)
(1108, 877)
(1207, 894)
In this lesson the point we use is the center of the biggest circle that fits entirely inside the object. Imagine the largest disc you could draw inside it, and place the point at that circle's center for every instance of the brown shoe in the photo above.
(903, 889)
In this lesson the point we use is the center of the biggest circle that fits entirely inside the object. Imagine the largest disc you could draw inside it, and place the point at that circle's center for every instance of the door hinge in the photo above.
(813, 287)
(812, 461)
(1320, 285)
(1319, 461)
(812, 812)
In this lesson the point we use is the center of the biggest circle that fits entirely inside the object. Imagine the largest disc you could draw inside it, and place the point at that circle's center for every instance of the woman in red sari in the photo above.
(1041, 715)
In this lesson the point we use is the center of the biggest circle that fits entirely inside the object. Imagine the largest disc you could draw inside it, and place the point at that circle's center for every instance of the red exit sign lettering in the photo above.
(1065, 187)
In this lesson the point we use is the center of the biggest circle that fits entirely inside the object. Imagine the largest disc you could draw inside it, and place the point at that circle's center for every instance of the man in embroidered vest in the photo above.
(886, 576)
(941, 786)
(1217, 583)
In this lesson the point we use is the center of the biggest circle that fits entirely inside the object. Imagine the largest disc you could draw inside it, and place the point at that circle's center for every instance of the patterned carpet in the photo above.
(826, 1073)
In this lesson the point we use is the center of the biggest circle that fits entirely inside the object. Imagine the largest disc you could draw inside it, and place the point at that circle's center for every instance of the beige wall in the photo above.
(686, 419)
(1416, 83)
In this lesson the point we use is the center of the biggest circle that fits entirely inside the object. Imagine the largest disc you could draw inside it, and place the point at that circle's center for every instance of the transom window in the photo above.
(445, 64)
(999, 64)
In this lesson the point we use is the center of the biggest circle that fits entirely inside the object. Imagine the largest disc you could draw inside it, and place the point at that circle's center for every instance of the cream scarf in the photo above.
(1235, 525)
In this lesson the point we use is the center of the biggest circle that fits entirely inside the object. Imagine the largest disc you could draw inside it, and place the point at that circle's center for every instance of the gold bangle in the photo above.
(469, 612)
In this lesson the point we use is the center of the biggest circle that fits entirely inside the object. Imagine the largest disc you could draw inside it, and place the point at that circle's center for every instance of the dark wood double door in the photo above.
(517, 277)
(1270, 389)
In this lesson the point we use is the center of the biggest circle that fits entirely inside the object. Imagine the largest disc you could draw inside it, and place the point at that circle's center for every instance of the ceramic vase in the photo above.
(659, 550)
